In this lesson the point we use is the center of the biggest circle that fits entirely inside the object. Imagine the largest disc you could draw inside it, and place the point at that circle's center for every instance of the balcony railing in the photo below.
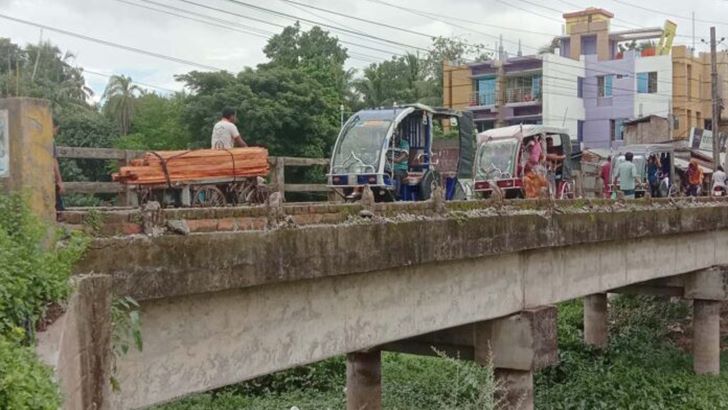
(513, 95)
(481, 98)
(522, 95)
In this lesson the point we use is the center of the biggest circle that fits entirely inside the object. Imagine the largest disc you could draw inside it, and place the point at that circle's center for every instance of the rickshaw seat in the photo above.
(413, 178)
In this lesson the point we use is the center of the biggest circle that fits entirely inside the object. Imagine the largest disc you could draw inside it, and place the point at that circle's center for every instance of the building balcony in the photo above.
(482, 99)
(522, 95)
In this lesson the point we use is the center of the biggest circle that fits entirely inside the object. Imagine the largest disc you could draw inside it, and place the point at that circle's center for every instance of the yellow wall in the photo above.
(31, 157)
(457, 86)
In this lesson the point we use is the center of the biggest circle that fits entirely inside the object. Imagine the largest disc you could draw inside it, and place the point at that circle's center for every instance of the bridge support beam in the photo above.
(364, 380)
(596, 331)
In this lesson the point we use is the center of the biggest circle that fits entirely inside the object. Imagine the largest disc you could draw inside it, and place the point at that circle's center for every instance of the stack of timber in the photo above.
(196, 166)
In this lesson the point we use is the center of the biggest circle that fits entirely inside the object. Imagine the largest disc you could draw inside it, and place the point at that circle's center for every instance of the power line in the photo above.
(349, 16)
(111, 44)
(293, 17)
(229, 12)
(722, 23)
(133, 82)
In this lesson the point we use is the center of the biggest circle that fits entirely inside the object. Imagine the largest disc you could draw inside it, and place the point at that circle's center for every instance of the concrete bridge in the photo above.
(231, 294)
(233, 300)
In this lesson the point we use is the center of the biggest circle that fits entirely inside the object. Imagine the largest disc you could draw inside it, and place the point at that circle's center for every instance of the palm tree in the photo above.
(120, 96)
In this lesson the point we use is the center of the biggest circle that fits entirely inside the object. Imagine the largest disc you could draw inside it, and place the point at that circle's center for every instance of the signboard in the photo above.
(703, 140)
(4, 144)
(668, 35)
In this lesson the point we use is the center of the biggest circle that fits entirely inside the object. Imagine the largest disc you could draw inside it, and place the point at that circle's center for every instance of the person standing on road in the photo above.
(695, 178)
(627, 176)
(719, 178)
(225, 134)
(605, 174)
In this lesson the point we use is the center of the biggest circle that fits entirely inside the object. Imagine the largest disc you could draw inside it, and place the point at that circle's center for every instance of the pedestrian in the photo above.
(605, 174)
(627, 177)
(225, 134)
(718, 180)
(695, 178)
(57, 178)
(653, 167)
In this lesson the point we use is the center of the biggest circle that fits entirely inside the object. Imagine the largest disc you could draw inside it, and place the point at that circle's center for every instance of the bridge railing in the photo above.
(126, 194)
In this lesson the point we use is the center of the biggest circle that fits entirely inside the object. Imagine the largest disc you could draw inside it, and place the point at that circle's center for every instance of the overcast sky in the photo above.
(533, 22)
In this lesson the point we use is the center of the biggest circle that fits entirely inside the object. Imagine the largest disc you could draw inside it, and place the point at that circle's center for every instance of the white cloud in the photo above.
(121, 23)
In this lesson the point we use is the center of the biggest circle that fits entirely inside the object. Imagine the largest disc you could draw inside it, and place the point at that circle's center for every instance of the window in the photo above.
(604, 84)
(485, 91)
(647, 83)
(580, 131)
(616, 129)
(536, 87)
(580, 87)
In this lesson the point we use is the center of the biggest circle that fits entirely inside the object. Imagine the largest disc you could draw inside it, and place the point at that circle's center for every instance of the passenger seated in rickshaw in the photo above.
(554, 156)
(533, 183)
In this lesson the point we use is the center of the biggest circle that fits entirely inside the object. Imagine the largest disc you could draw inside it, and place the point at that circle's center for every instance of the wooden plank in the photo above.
(93, 187)
(304, 162)
(306, 188)
(279, 176)
(96, 153)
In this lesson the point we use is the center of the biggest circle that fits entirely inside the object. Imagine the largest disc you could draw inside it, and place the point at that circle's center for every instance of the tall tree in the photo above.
(120, 95)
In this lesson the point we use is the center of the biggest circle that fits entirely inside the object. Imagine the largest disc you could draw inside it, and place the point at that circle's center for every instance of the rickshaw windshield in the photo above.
(496, 159)
(639, 162)
(360, 147)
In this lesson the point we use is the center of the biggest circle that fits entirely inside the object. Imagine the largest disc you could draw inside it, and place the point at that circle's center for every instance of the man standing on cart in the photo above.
(225, 134)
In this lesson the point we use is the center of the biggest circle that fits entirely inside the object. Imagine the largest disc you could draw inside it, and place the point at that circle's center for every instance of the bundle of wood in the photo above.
(161, 167)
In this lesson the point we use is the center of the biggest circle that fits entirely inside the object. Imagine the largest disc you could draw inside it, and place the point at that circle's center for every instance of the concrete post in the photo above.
(706, 336)
(595, 320)
(515, 389)
(364, 380)
(26, 157)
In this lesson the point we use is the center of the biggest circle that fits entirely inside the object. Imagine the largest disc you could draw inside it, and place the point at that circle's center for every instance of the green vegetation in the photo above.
(408, 382)
(642, 368)
(34, 273)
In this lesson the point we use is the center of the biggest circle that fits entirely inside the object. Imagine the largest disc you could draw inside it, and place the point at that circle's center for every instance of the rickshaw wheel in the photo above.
(566, 192)
(208, 196)
(429, 182)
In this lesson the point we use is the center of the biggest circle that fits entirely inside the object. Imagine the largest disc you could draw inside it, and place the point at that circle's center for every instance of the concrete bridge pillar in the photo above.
(708, 288)
(364, 380)
(596, 331)
(517, 389)
(706, 336)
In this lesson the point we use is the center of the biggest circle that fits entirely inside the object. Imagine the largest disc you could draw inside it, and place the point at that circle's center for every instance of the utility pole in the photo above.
(716, 100)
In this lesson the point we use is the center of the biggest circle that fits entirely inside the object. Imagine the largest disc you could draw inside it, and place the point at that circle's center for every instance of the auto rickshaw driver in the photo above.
(400, 158)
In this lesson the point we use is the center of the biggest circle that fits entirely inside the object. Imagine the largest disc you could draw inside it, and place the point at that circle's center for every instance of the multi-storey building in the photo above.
(589, 87)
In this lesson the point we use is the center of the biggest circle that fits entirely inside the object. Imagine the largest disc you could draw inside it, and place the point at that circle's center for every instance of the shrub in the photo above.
(34, 272)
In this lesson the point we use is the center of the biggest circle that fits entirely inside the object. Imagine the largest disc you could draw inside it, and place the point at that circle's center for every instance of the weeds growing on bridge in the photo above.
(34, 273)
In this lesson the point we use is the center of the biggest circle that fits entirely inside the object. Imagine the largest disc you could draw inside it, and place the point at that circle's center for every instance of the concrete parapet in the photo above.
(26, 145)
(78, 345)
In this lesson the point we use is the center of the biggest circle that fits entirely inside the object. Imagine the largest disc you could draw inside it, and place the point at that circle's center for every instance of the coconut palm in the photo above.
(120, 96)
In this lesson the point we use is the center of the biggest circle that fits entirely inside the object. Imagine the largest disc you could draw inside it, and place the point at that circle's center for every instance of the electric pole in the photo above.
(716, 100)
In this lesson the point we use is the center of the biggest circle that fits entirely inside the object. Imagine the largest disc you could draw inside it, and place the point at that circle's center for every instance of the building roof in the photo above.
(647, 33)
(646, 118)
(588, 12)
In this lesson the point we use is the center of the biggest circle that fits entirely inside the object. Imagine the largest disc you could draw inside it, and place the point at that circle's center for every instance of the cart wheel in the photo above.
(566, 192)
(208, 196)
(143, 195)
(252, 193)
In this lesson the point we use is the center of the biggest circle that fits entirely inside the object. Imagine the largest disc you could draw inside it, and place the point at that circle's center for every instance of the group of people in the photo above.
(626, 178)
(541, 167)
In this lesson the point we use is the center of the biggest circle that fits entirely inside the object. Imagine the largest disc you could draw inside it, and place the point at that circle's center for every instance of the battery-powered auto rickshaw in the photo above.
(390, 151)
(502, 158)
(665, 172)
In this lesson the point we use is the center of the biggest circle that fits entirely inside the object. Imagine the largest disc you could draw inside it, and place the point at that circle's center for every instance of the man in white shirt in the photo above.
(719, 178)
(225, 134)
